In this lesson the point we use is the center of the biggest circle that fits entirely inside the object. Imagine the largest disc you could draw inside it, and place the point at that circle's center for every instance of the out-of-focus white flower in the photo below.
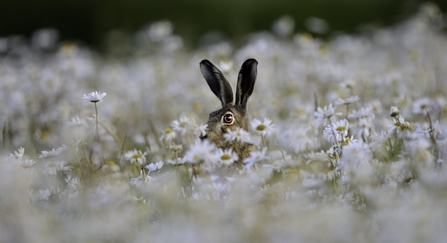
(227, 156)
(136, 156)
(362, 113)
(421, 106)
(42, 195)
(177, 161)
(200, 151)
(27, 163)
(394, 111)
(183, 125)
(200, 130)
(284, 26)
(348, 101)
(317, 25)
(363, 127)
(76, 122)
(94, 96)
(225, 66)
(401, 127)
(110, 167)
(356, 161)
(141, 180)
(238, 134)
(73, 182)
(154, 166)
(349, 84)
(255, 157)
(160, 30)
(52, 153)
(51, 168)
(322, 116)
(45, 39)
(167, 135)
(19, 153)
(263, 128)
(337, 131)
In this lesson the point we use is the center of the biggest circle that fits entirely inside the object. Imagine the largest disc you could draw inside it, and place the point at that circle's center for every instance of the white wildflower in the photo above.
(336, 132)
(19, 153)
(27, 163)
(227, 156)
(421, 106)
(167, 135)
(76, 122)
(348, 101)
(238, 134)
(322, 116)
(177, 161)
(362, 113)
(394, 111)
(255, 157)
(263, 128)
(94, 96)
(51, 168)
(200, 151)
(183, 125)
(154, 166)
(52, 153)
(136, 156)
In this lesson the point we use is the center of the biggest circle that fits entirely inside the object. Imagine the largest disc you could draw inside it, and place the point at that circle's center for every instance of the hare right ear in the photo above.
(246, 81)
(217, 82)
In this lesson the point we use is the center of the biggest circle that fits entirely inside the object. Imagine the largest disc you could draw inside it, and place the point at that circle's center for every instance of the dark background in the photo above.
(88, 21)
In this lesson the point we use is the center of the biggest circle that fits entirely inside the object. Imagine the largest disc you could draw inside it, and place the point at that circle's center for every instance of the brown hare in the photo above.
(233, 113)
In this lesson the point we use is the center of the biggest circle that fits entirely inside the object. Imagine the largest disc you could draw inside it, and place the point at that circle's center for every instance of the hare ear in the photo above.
(217, 82)
(246, 81)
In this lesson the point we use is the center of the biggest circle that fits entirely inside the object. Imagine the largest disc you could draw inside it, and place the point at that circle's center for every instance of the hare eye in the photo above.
(228, 118)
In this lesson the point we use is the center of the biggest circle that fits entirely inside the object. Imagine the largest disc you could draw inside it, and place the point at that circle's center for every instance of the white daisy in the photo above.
(154, 166)
(255, 157)
(183, 125)
(200, 151)
(227, 156)
(336, 132)
(94, 96)
(237, 135)
(264, 128)
(167, 135)
(323, 115)
(421, 106)
(348, 101)
(136, 156)
(177, 161)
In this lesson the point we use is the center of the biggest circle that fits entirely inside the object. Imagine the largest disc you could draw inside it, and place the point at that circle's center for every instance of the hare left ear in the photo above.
(246, 81)
(217, 82)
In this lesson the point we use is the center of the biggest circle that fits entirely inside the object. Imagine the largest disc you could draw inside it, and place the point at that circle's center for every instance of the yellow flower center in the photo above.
(225, 157)
(110, 163)
(261, 127)
(340, 128)
(168, 130)
(136, 156)
(183, 124)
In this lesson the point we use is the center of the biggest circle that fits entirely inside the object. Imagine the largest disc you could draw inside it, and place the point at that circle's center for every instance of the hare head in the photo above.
(233, 113)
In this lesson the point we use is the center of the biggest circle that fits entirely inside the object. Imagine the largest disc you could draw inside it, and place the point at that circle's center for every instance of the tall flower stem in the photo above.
(97, 122)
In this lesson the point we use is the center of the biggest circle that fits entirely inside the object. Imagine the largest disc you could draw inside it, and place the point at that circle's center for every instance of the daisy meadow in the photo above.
(348, 144)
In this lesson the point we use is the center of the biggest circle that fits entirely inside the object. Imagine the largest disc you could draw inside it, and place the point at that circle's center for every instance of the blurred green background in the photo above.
(89, 20)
